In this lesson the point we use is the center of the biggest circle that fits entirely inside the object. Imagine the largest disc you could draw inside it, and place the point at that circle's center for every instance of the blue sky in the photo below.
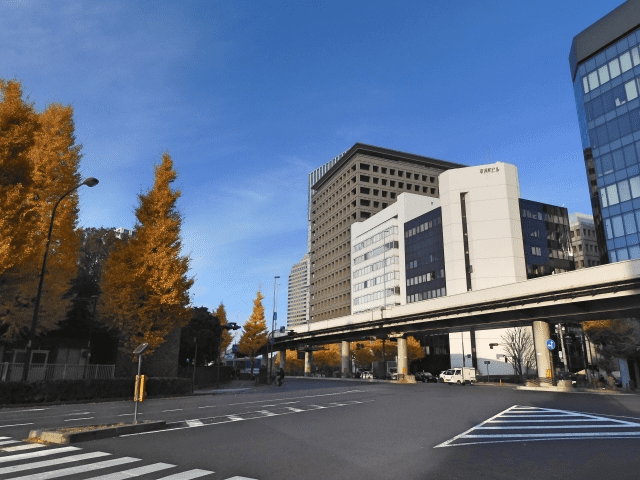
(249, 97)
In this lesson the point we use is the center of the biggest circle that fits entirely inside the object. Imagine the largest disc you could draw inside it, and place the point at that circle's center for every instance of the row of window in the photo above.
(422, 227)
(376, 238)
(546, 217)
(433, 257)
(620, 192)
(618, 159)
(376, 281)
(621, 225)
(622, 254)
(586, 232)
(428, 295)
(376, 296)
(392, 183)
(615, 128)
(375, 252)
(427, 277)
(589, 248)
(536, 251)
(609, 71)
(611, 99)
(392, 171)
(375, 266)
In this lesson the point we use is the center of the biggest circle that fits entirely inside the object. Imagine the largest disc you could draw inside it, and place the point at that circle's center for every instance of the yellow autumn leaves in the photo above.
(144, 285)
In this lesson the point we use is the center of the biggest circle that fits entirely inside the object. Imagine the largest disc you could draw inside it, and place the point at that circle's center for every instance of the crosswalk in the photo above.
(34, 461)
(521, 423)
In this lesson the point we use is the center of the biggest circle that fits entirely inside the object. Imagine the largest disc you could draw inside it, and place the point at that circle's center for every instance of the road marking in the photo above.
(6, 442)
(128, 414)
(174, 410)
(305, 396)
(40, 453)
(208, 406)
(80, 469)
(76, 419)
(238, 478)
(134, 472)
(50, 462)
(26, 446)
(16, 425)
(528, 420)
(192, 474)
(250, 416)
(76, 413)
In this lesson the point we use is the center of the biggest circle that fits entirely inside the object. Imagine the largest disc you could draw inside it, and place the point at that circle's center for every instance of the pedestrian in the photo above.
(280, 377)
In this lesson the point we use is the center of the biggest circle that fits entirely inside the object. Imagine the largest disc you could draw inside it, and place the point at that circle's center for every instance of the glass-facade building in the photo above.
(546, 238)
(605, 69)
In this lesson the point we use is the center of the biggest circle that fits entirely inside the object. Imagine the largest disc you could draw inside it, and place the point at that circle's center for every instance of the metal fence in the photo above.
(12, 372)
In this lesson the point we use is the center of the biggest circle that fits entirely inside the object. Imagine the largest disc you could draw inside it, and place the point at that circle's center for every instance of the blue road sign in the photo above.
(551, 344)
(271, 340)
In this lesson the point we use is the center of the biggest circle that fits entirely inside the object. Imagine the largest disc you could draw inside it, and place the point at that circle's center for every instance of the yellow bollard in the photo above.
(500, 382)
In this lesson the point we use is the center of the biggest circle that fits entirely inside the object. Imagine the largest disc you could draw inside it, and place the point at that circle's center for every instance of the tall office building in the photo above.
(363, 181)
(298, 296)
(605, 70)
(583, 240)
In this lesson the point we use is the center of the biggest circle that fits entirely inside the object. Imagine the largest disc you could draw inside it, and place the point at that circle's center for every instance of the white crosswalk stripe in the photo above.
(40, 453)
(187, 475)
(21, 462)
(57, 461)
(64, 472)
(134, 472)
(519, 423)
(26, 446)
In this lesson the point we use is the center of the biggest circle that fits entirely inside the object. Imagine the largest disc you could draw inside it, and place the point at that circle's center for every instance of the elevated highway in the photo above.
(602, 292)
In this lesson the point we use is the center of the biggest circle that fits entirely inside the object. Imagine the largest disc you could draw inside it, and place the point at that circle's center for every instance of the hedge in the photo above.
(88, 389)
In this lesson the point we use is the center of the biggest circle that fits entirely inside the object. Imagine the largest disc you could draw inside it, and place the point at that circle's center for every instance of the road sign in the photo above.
(551, 344)
(487, 362)
(271, 340)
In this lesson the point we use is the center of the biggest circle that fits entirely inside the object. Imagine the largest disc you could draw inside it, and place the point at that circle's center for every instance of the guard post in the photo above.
(139, 392)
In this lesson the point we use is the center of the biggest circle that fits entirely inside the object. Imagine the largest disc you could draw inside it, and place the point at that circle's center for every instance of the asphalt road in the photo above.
(329, 429)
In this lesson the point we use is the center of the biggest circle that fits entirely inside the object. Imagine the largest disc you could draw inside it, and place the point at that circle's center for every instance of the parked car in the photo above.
(425, 377)
(567, 376)
(461, 376)
(442, 375)
(367, 374)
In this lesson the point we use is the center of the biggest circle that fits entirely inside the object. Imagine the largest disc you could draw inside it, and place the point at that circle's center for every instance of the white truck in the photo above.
(461, 376)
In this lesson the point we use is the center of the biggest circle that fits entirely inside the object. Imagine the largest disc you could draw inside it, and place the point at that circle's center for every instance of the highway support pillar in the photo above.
(283, 359)
(308, 361)
(403, 364)
(346, 360)
(542, 333)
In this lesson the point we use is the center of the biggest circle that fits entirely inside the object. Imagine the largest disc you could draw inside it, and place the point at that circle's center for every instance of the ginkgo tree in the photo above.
(226, 338)
(145, 287)
(254, 335)
(39, 162)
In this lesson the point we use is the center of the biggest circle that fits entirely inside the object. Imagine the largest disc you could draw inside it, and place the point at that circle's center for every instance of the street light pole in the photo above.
(89, 182)
(273, 324)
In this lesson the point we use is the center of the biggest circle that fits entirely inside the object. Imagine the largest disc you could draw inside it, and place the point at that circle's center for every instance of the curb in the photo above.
(51, 435)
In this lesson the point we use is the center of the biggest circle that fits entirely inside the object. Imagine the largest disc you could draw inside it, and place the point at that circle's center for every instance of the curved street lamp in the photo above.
(89, 182)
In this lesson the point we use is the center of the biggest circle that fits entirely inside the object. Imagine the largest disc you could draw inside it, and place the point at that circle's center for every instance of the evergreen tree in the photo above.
(53, 160)
(145, 285)
(254, 336)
